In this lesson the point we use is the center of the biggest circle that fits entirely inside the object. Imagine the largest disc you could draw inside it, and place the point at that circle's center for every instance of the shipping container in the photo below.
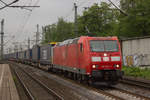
(29, 54)
(45, 54)
(20, 55)
(35, 53)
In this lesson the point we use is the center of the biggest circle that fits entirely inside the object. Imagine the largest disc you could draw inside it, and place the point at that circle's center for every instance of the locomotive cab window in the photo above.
(103, 45)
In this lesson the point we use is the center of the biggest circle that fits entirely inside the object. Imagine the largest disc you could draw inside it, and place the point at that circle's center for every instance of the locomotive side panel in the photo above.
(84, 56)
(59, 55)
(71, 56)
(66, 57)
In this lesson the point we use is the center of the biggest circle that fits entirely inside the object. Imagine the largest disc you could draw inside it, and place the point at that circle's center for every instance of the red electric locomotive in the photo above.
(89, 58)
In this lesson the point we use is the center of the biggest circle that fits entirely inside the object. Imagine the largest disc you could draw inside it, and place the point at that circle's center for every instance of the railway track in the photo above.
(125, 95)
(104, 94)
(137, 83)
(112, 93)
(34, 88)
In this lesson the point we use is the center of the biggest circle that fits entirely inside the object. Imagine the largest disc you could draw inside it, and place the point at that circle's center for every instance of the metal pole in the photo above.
(75, 20)
(37, 34)
(43, 34)
(21, 47)
(28, 43)
(2, 35)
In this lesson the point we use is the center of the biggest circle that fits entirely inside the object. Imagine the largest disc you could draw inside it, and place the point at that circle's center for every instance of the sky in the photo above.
(20, 24)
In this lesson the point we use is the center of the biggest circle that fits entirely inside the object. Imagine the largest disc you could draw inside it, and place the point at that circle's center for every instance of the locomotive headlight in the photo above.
(94, 66)
(96, 59)
(117, 66)
(105, 54)
(116, 58)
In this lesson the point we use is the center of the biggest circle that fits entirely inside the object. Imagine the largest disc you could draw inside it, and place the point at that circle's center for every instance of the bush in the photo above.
(137, 72)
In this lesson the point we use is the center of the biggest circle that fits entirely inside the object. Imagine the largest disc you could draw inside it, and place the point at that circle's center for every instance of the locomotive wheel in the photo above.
(50, 69)
(85, 79)
(66, 74)
(80, 78)
(72, 75)
(75, 76)
(90, 82)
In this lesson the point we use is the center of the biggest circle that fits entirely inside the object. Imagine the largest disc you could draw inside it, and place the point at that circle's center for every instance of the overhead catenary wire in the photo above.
(68, 14)
(29, 15)
(6, 5)
(15, 6)
(20, 30)
(118, 8)
(21, 26)
(3, 2)
(79, 4)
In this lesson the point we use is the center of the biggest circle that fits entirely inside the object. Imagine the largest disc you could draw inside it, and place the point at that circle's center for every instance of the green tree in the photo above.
(58, 32)
(137, 22)
(64, 30)
(101, 20)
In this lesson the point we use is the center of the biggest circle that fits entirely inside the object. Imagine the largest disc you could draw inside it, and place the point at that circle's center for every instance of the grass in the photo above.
(137, 72)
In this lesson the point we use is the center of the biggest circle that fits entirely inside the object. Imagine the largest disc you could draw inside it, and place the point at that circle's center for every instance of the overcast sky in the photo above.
(21, 23)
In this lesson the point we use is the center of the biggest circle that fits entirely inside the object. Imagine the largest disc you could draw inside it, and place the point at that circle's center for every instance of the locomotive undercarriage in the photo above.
(107, 76)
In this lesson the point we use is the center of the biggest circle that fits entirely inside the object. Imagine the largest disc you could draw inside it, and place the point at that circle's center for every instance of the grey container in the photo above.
(35, 53)
(45, 54)
(29, 54)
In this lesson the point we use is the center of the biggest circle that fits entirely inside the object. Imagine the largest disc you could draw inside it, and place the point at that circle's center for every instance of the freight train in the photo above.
(90, 59)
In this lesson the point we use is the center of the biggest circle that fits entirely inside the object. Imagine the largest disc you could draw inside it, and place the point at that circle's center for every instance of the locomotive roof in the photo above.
(103, 38)
(70, 41)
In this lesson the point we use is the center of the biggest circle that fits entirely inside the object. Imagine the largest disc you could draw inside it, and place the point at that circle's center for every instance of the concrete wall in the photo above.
(136, 52)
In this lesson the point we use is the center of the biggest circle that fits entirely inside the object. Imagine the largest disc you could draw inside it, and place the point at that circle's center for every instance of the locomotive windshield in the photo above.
(103, 45)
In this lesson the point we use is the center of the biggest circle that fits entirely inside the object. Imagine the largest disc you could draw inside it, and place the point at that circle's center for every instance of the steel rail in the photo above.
(131, 93)
(94, 89)
(136, 83)
(55, 95)
(28, 93)
(107, 94)
(86, 86)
